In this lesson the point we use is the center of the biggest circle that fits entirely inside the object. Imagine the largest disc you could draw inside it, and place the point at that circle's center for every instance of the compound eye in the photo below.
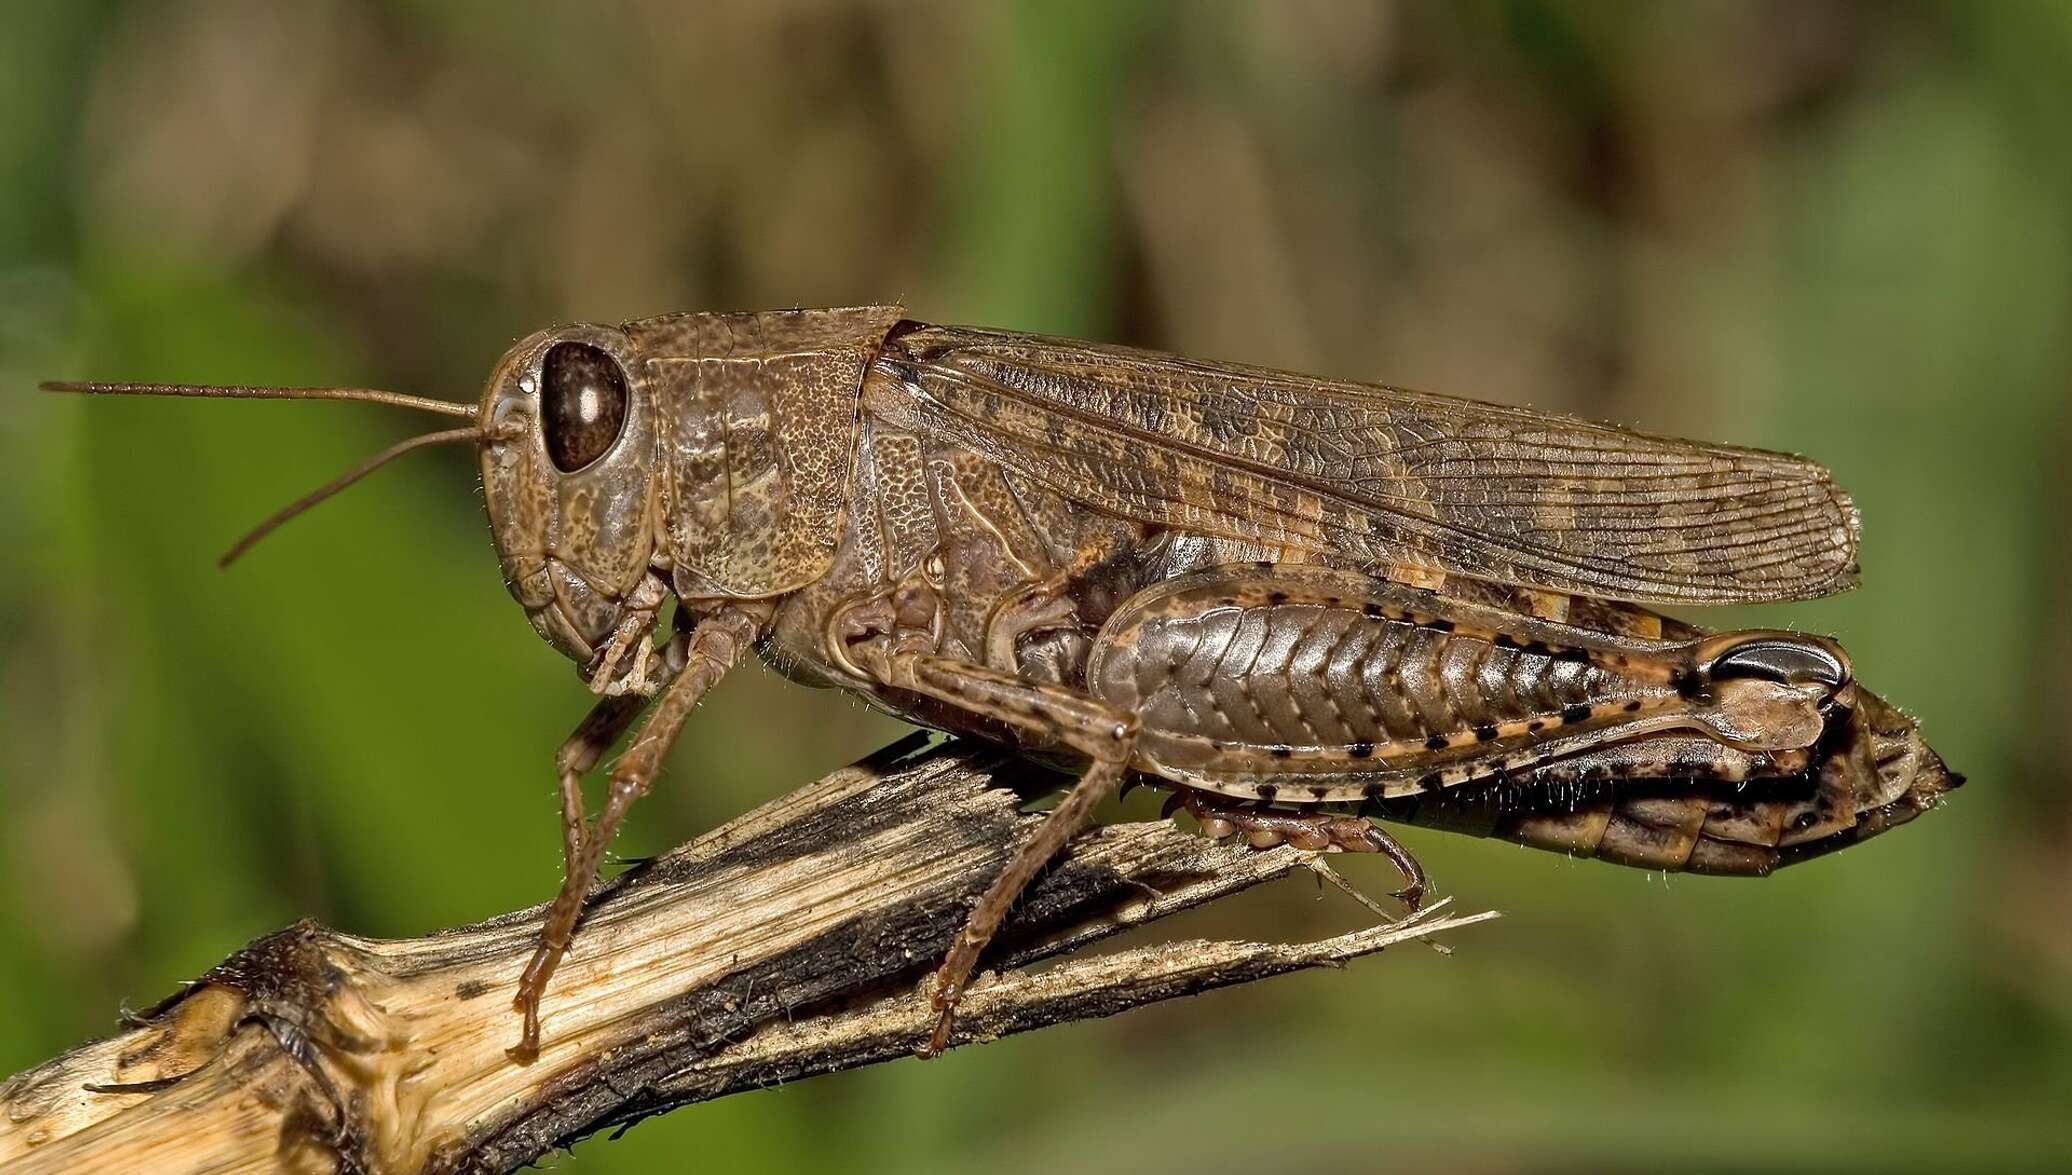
(582, 404)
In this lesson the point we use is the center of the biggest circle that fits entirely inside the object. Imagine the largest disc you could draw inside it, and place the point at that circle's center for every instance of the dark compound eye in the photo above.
(582, 403)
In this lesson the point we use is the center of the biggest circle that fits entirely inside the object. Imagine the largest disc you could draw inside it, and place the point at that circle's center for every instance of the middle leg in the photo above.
(1093, 728)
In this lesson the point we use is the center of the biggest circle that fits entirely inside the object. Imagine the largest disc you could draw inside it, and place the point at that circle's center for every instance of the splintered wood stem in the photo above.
(791, 942)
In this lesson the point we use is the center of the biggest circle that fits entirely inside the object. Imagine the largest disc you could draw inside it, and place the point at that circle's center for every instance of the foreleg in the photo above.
(713, 647)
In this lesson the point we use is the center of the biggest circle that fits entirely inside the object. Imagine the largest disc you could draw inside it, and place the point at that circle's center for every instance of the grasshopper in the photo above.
(1297, 602)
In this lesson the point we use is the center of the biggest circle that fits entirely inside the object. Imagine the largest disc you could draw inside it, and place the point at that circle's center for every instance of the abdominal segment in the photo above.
(1676, 825)
(1300, 685)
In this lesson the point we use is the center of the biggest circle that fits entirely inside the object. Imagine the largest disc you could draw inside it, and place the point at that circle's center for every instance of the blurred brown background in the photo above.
(1838, 228)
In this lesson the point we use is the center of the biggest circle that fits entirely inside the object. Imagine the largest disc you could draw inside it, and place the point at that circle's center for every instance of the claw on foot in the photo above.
(527, 1050)
(944, 1001)
(531, 985)
(1265, 828)
(940, 1038)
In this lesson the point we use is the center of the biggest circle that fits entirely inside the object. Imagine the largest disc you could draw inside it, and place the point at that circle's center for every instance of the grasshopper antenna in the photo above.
(467, 412)
(244, 392)
(273, 522)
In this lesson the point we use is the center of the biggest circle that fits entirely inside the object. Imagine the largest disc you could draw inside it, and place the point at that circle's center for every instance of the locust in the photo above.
(1301, 604)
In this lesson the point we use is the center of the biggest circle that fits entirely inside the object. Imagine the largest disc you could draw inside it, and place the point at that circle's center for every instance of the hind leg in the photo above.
(1263, 828)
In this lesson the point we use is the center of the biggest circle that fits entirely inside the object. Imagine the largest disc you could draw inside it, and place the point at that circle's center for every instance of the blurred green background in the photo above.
(1837, 228)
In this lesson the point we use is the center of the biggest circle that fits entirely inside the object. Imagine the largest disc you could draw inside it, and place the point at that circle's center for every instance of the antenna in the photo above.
(246, 392)
(467, 412)
(273, 523)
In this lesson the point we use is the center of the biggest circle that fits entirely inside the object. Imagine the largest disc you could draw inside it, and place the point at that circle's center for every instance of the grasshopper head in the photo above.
(568, 461)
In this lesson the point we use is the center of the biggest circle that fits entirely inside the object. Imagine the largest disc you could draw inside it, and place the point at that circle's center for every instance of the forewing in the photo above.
(1379, 476)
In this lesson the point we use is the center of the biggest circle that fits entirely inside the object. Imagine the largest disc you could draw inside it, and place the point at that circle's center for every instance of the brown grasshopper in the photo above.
(1298, 602)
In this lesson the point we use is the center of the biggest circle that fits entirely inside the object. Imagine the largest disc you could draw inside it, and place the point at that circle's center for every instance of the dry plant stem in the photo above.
(790, 943)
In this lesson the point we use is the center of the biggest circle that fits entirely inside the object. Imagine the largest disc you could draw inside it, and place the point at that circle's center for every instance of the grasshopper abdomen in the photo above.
(1313, 685)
